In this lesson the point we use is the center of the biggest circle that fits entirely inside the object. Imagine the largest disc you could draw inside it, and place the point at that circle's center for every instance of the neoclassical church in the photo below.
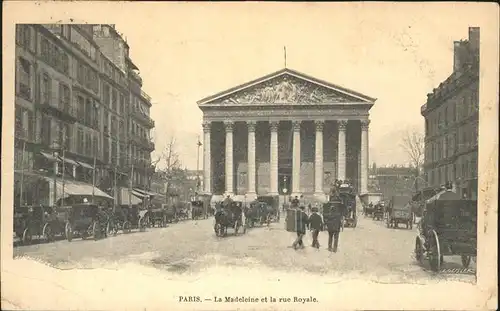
(286, 133)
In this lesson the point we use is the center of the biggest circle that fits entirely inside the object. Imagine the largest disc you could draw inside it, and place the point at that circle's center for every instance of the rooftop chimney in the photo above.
(458, 52)
(474, 38)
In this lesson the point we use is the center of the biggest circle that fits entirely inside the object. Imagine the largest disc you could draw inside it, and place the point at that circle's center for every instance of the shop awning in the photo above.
(83, 164)
(138, 194)
(145, 193)
(49, 156)
(66, 160)
(72, 187)
(127, 197)
(444, 195)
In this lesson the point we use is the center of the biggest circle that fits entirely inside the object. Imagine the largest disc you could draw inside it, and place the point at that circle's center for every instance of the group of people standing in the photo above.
(315, 222)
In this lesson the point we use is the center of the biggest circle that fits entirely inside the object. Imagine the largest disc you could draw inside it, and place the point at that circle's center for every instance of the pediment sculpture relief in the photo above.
(286, 91)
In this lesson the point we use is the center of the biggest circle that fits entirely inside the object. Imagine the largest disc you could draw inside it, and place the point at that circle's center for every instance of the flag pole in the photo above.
(284, 49)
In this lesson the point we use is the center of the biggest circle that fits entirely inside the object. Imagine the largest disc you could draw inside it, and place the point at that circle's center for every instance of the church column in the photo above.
(364, 155)
(229, 157)
(296, 158)
(274, 158)
(318, 160)
(341, 158)
(207, 158)
(251, 158)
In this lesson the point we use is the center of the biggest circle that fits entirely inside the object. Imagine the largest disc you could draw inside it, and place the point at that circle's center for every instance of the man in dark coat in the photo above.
(315, 225)
(302, 223)
(295, 202)
(333, 222)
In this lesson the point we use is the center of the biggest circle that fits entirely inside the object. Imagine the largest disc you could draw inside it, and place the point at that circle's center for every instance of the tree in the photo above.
(168, 167)
(413, 142)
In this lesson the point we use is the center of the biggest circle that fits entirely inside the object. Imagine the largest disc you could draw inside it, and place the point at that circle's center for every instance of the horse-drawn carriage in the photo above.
(348, 198)
(448, 227)
(38, 221)
(127, 218)
(273, 208)
(399, 211)
(256, 213)
(228, 215)
(199, 210)
(379, 211)
(84, 220)
(157, 216)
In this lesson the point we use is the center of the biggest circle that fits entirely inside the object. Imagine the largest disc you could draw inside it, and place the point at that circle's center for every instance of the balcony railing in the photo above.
(146, 120)
(27, 136)
(136, 76)
(146, 96)
(143, 142)
(61, 111)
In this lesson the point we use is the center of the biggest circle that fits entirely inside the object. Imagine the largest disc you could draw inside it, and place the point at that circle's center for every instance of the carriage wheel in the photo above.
(68, 231)
(110, 228)
(217, 229)
(126, 227)
(96, 230)
(419, 250)
(47, 233)
(26, 237)
(435, 253)
(466, 261)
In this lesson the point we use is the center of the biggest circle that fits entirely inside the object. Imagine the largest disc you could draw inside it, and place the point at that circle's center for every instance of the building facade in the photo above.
(451, 122)
(393, 180)
(64, 107)
(285, 133)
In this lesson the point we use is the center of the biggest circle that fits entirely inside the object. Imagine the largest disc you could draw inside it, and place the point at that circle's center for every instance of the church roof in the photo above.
(296, 74)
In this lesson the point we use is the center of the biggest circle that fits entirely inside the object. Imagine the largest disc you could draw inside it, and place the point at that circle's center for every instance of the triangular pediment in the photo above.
(286, 87)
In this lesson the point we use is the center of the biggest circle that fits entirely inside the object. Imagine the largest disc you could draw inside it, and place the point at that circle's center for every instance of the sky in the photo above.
(396, 54)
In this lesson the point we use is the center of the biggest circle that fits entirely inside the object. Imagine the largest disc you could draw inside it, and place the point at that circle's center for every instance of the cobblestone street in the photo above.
(370, 251)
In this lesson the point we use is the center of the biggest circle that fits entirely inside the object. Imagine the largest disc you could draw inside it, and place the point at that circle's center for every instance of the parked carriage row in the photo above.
(257, 213)
(91, 221)
(398, 210)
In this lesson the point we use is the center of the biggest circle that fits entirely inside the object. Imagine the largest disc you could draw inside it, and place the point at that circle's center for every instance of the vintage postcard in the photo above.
(249, 156)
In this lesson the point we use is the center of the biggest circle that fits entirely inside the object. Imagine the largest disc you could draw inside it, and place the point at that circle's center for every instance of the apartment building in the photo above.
(71, 111)
(451, 122)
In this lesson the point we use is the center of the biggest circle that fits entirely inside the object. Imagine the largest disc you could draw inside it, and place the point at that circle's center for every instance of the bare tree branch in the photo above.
(413, 142)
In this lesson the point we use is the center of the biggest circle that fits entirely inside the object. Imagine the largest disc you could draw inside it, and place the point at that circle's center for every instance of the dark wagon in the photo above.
(379, 211)
(228, 217)
(448, 227)
(84, 220)
(40, 221)
(157, 216)
(256, 213)
(348, 198)
(399, 211)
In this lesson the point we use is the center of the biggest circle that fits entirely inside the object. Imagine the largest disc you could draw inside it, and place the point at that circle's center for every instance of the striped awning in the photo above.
(83, 164)
(138, 194)
(49, 156)
(66, 160)
(145, 193)
(72, 187)
(128, 197)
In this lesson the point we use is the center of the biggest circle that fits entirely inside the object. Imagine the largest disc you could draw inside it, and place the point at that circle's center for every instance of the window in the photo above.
(122, 129)
(95, 116)
(88, 144)
(24, 78)
(114, 100)
(106, 92)
(80, 73)
(88, 111)
(80, 106)
(45, 89)
(106, 120)
(446, 116)
(113, 152)
(105, 150)
(64, 96)
(46, 130)
(23, 36)
(122, 104)
(67, 136)
(65, 63)
(80, 142)
(95, 145)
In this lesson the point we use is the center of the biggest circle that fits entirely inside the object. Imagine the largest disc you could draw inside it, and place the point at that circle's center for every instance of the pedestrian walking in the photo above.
(302, 223)
(315, 225)
(333, 222)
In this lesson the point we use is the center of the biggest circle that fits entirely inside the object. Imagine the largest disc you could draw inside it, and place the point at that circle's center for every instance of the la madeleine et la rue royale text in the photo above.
(241, 299)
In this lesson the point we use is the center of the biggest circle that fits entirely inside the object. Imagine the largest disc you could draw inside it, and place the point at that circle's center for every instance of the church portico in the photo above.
(286, 132)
